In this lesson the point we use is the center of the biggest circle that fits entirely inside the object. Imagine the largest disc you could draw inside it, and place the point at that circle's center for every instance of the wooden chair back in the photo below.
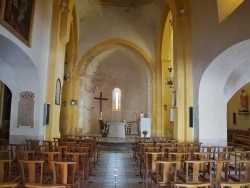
(16, 147)
(166, 173)
(234, 184)
(64, 173)
(238, 155)
(5, 170)
(193, 185)
(224, 148)
(150, 163)
(25, 155)
(32, 144)
(179, 156)
(32, 171)
(69, 144)
(197, 171)
(201, 156)
(9, 184)
(49, 156)
(38, 185)
(83, 163)
(219, 171)
(61, 149)
(5, 154)
(222, 155)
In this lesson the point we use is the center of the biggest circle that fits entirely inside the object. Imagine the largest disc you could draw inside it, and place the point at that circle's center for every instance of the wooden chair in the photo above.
(82, 149)
(49, 156)
(223, 155)
(166, 173)
(194, 144)
(234, 184)
(238, 155)
(25, 155)
(5, 154)
(49, 144)
(219, 171)
(181, 157)
(209, 149)
(143, 157)
(69, 144)
(61, 149)
(197, 171)
(4, 144)
(92, 151)
(193, 185)
(191, 150)
(243, 173)
(172, 149)
(150, 164)
(201, 156)
(64, 173)
(16, 147)
(128, 128)
(32, 171)
(5, 170)
(32, 144)
(224, 148)
(82, 160)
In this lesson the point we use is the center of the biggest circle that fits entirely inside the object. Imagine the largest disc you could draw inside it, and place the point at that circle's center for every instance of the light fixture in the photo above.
(73, 102)
(182, 11)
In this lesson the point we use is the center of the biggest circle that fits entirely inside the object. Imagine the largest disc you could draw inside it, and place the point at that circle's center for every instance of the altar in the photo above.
(116, 129)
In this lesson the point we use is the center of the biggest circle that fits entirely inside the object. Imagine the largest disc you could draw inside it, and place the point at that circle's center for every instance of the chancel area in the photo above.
(95, 80)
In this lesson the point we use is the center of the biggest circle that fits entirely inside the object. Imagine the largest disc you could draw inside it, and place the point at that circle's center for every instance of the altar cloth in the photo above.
(116, 129)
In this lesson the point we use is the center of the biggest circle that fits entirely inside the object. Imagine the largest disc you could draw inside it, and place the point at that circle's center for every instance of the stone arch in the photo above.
(228, 72)
(103, 46)
(88, 67)
(16, 68)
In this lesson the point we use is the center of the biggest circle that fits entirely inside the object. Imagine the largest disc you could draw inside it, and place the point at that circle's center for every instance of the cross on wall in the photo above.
(101, 99)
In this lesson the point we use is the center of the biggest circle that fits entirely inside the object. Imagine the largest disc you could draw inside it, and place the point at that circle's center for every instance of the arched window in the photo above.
(116, 100)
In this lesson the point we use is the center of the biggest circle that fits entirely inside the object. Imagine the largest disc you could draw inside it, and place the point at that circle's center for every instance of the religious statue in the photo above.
(244, 100)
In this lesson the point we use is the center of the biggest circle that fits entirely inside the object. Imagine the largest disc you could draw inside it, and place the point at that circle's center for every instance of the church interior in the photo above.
(125, 69)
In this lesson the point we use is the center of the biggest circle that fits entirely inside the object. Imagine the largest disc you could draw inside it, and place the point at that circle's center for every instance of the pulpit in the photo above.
(116, 129)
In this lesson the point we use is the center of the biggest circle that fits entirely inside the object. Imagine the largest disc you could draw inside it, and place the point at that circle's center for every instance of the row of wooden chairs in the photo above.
(64, 151)
(167, 173)
(34, 145)
(178, 154)
(47, 161)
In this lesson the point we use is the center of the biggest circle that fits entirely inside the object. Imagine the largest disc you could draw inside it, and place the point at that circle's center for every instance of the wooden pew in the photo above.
(241, 141)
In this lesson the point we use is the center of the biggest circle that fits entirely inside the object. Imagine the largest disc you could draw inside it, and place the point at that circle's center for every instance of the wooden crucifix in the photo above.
(101, 99)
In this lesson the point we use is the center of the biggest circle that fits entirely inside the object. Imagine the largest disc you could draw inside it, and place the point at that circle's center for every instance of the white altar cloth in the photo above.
(116, 129)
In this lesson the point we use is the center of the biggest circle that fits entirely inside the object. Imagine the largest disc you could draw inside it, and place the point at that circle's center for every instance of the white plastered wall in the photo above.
(223, 77)
(24, 68)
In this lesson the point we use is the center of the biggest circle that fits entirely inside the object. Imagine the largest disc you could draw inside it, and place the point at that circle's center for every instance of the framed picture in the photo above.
(17, 17)
(58, 92)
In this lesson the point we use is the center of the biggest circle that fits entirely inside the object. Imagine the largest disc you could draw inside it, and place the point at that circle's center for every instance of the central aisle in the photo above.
(116, 169)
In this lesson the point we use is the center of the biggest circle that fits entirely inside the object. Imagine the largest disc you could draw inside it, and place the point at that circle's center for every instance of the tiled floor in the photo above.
(116, 169)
